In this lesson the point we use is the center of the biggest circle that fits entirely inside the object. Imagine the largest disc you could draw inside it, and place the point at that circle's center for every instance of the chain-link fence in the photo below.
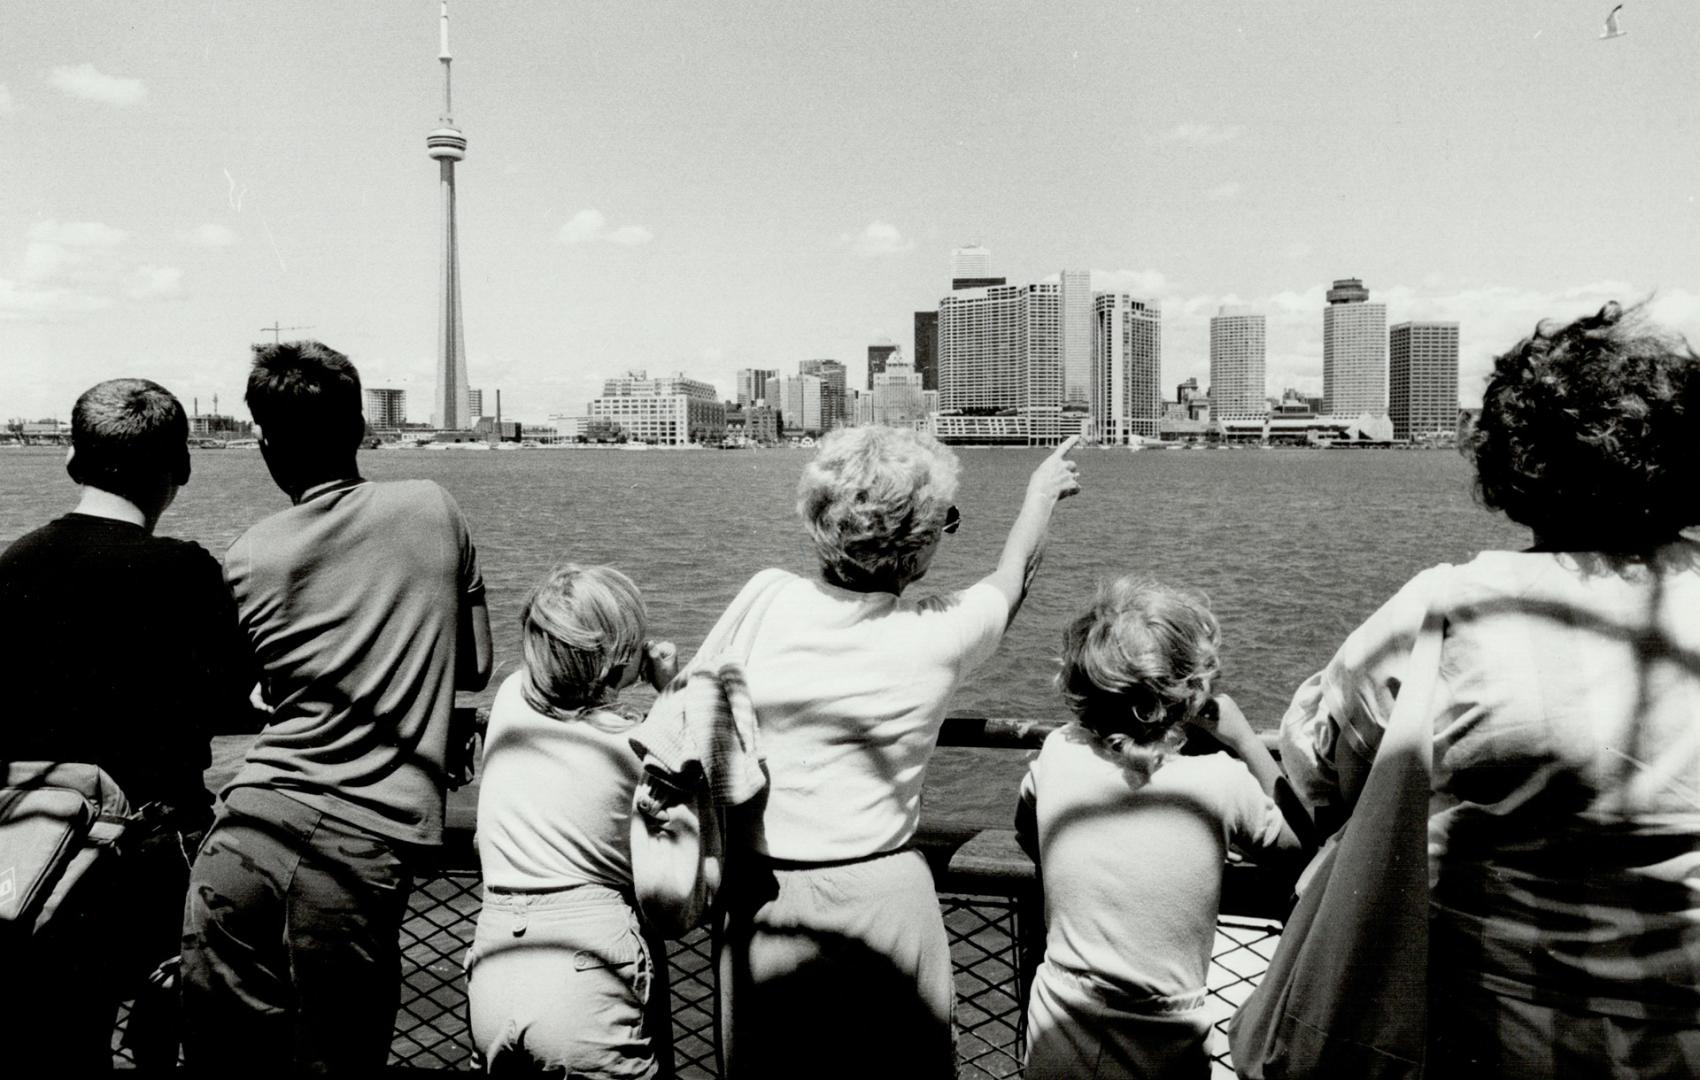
(986, 941)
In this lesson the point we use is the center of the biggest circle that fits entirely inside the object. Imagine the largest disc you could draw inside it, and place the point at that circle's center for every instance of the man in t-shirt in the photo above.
(365, 611)
(121, 650)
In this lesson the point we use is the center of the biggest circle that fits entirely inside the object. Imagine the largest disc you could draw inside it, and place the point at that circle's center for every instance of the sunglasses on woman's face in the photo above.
(952, 520)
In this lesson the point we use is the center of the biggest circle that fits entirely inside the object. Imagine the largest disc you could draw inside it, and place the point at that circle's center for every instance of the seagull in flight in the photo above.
(1612, 30)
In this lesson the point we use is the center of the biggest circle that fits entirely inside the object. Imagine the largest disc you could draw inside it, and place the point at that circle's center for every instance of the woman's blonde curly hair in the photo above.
(874, 499)
(1139, 661)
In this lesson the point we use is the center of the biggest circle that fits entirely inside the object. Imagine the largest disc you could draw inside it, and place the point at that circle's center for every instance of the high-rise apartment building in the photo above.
(1237, 390)
(475, 404)
(834, 400)
(877, 357)
(1075, 335)
(926, 352)
(666, 411)
(1127, 368)
(802, 404)
(1422, 379)
(386, 409)
(752, 384)
(1354, 352)
(1000, 354)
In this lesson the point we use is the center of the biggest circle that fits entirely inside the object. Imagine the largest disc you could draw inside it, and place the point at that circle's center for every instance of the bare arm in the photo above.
(472, 644)
(1223, 719)
(1055, 479)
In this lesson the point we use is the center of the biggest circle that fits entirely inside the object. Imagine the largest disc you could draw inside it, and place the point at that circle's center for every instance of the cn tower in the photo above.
(446, 144)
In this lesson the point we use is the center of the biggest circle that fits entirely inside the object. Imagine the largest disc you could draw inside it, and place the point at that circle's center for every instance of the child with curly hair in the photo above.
(1130, 837)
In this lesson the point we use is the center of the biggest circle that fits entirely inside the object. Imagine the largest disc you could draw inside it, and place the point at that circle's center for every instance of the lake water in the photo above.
(1294, 548)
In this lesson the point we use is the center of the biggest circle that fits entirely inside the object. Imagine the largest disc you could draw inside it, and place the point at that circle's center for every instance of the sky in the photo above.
(693, 187)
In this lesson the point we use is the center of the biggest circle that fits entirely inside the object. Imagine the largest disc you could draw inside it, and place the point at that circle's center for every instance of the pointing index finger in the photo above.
(1067, 445)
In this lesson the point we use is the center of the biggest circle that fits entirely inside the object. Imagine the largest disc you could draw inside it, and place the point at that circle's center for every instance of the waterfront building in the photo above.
(1127, 368)
(834, 396)
(386, 408)
(800, 407)
(898, 399)
(1422, 380)
(926, 348)
(1074, 329)
(752, 425)
(494, 430)
(752, 384)
(999, 355)
(451, 409)
(1354, 352)
(877, 356)
(475, 403)
(665, 411)
(215, 426)
(1237, 365)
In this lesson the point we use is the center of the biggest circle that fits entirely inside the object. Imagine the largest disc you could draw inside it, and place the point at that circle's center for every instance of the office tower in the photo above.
(877, 356)
(1075, 330)
(971, 268)
(926, 352)
(752, 384)
(833, 398)
(666, 411)
(447, 145)
(1354, 352)
(898, 398)
(1237, 390)
(385, 408)
(1422, 379)
(802, 407)
(1000, 354)
(475, 404)
(1127, 363)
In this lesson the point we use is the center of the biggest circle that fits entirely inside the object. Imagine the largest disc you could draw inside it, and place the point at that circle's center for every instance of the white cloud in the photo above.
(1225, 191)
(211, 235)
(1202, 134)
(91, 84)
(25, 301)
(70, 251)
(879, 238)
(589, 226)
(150, 282)
(7, 106)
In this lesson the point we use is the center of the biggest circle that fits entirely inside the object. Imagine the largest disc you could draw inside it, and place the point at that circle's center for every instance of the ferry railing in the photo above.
(993, 913)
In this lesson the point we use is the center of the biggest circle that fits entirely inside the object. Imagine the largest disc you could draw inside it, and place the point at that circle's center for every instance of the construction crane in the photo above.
(276, 331)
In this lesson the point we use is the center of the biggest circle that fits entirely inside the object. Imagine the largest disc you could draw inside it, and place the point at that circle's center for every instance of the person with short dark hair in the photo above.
(1564, 822)
(365, 610)
(122, 652)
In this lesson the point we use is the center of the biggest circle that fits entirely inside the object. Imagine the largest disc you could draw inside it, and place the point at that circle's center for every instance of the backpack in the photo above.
(59, 823)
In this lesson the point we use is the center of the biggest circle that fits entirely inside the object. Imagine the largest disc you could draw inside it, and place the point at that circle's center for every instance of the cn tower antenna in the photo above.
(443, 55)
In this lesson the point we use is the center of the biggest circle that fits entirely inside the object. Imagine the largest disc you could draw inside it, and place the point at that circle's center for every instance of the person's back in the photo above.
(1130, 838)
(122, 652)
(365, 612)
(351, 599)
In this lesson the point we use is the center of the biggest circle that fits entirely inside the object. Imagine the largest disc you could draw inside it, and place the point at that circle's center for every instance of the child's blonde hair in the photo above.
(1138, 662)
(580, 628)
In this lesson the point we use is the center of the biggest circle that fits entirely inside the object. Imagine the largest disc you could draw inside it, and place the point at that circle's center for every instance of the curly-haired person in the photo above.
(834, 960)
(1564, 829)
(1130, 837)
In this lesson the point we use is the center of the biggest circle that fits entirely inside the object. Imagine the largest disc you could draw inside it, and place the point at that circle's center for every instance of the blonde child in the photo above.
(1130, 837)
(559, 972)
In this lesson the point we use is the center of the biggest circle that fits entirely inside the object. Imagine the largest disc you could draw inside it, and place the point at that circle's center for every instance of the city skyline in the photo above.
(178, 181)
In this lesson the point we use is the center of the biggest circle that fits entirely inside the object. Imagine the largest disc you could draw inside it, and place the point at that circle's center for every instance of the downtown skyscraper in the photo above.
(1237, 358)
(1127, 368)
(1423, 379)
(1354, 352)
(999, 354)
